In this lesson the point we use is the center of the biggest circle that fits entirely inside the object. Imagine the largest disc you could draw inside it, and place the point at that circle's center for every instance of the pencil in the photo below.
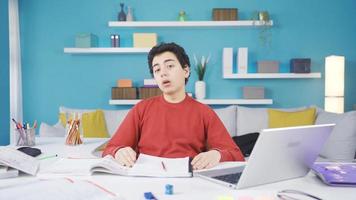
(163, 166)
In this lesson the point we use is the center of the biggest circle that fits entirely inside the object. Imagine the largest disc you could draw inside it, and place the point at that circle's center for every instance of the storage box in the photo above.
(300, 65)
(122, 83)
(147, 92)
(267, 66)
(225, 14)
(86, 40)
(144, 40)
(124, 93)
(253, 92)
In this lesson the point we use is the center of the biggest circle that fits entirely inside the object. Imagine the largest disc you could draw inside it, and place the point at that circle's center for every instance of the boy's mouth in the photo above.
(166, 83)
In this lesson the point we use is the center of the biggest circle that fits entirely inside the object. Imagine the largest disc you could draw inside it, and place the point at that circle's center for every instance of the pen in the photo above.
(46, 157)
(163, 166)
(35, 124)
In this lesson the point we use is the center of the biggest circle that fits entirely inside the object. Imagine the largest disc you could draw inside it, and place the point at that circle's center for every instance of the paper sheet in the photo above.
(58, 189)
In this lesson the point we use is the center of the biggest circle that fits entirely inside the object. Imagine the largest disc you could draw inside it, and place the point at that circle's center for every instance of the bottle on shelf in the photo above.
(122, 15)
(129, 16)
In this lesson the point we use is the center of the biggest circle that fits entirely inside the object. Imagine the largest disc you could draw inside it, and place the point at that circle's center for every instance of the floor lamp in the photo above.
(334, 83)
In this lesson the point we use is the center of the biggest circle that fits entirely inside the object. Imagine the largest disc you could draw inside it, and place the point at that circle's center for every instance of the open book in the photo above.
(10, 157)
(146, 165)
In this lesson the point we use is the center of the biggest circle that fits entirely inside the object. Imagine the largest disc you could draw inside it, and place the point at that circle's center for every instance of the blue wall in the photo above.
(4, 74)
(302, 28)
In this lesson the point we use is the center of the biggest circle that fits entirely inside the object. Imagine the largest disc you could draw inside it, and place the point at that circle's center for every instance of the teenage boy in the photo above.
(173, 124)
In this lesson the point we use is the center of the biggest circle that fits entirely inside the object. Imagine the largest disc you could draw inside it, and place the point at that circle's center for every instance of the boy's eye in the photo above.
(170, 66)
(156, 70)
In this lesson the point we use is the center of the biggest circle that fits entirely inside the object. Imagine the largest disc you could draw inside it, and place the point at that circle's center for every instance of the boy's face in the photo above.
(169, 73)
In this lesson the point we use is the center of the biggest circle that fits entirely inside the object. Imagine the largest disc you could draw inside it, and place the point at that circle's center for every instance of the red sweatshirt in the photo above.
(159, 128)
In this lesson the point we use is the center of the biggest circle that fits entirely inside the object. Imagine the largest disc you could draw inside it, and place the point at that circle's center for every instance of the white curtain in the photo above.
(15, 67)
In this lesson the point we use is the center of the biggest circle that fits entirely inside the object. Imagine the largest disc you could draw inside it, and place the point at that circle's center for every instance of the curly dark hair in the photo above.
(172, 47)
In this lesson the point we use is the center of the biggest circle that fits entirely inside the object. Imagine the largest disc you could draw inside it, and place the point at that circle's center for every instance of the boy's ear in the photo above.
(187, 70)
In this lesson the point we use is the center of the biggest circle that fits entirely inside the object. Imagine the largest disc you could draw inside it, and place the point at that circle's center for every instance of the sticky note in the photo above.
(225, 198)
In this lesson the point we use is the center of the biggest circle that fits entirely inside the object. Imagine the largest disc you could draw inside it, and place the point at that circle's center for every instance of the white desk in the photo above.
(184, 188)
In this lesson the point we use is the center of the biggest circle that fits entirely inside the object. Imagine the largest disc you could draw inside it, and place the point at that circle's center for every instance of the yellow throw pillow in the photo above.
(93, 124)
(63, 119)
(277, 119)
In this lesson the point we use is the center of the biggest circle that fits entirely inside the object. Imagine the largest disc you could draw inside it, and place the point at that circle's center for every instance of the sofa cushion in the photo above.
(113, 118)
(342, 141)
(246, 142)
(228, 117)
(51, 131)
(250, 120)
(278, 119)
(94, 125)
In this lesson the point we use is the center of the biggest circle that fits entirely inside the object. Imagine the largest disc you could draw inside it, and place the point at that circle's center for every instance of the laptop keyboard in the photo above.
(230, 178)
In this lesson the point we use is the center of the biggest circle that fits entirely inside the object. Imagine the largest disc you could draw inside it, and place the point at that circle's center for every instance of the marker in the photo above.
(47, 157)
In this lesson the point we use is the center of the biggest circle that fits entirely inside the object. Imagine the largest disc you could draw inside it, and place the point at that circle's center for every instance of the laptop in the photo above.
(279, 154)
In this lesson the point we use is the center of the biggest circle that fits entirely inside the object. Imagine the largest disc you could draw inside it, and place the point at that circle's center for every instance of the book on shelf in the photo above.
(335, 173)
(12, 158)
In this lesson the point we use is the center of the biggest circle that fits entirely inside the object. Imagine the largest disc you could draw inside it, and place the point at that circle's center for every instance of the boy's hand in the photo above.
(206, 160)
(126, 156)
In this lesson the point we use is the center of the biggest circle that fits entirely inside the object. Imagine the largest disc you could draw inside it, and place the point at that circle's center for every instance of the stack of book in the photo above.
(149, 89)
(12, 161)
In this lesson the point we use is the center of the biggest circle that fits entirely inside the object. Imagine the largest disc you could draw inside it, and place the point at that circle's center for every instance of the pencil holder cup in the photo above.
(25, 137)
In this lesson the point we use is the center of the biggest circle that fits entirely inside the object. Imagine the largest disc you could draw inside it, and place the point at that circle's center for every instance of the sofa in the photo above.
(241, 121)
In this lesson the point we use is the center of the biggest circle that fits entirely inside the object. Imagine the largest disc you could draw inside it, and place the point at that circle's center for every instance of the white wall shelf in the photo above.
(272, 75)
(108, 50)
(205, 101)
(190, 23)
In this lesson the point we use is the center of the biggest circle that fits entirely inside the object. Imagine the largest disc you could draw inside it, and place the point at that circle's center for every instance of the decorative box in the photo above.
(225, 14)
(123, 83)
(147, 92)
(124, 93)
(144, 40)
(86, 40)
(253, 92)
(267, 66)
(300, 65)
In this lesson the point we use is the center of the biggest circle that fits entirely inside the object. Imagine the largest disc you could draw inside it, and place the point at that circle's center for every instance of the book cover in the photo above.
(336, 174)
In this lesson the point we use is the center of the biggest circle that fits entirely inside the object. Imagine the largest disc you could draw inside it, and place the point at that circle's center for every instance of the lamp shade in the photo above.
(334, 83)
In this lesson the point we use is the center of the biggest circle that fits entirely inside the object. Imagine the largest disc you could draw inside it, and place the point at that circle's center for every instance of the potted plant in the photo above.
(200, 68)
(265, 33)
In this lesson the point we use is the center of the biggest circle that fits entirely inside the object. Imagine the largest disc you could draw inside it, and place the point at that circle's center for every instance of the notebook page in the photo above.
(57, 189)
(147, 165)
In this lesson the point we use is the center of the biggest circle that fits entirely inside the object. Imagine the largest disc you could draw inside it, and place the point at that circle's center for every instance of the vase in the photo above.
(129, 16)
(200, 88)
(122, 15)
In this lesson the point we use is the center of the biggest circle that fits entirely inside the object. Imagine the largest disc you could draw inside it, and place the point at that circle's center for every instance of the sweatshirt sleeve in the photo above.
(219, 139)
(126, 135)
